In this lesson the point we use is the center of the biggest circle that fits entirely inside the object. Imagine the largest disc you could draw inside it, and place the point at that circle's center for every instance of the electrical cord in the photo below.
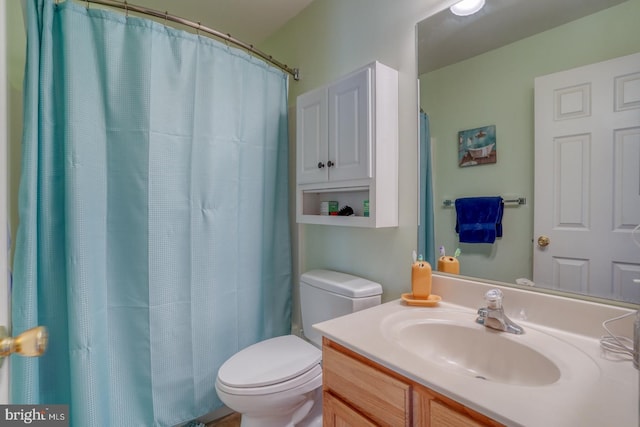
(617, 344)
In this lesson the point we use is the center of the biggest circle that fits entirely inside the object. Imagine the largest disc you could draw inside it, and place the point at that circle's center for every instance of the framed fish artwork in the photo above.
(477, 146)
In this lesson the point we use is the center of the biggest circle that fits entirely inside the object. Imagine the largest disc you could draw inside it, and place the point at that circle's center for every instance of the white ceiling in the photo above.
(250, 21)
(445, 39)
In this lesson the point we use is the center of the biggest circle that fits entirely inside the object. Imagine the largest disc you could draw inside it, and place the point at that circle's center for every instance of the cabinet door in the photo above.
(336, 413)
(383, 398)
(311, 134)
(350, 121)
(435, 410)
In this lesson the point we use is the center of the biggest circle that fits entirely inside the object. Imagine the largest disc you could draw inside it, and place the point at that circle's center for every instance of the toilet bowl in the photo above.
(273, 383)
(278, 382)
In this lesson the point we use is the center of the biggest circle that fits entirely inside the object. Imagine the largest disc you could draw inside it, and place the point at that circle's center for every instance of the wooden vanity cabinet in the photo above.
(359, 392)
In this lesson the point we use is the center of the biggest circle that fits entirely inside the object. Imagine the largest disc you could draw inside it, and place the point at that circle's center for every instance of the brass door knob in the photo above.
(543, 241)
(30, 343)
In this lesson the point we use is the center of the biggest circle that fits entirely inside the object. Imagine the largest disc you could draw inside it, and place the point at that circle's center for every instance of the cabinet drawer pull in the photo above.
(320, 165)
(330, 163)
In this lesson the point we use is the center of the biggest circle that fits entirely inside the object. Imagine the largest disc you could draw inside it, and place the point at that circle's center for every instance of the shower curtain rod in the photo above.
(294, 72)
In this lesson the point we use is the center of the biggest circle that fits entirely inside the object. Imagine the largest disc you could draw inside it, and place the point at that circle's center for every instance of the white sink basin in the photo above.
(453, 341)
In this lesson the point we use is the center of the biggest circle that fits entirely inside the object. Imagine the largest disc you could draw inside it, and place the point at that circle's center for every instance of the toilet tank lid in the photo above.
(341, 283)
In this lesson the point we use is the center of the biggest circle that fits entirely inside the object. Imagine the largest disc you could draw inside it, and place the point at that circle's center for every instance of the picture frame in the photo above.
(477, 146)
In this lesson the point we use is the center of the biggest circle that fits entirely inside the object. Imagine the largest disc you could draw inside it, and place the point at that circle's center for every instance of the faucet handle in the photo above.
(482, 315)
(494, 298)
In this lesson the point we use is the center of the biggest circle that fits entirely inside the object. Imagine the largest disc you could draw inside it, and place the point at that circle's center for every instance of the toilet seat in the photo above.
(309, 380)
(270, 366)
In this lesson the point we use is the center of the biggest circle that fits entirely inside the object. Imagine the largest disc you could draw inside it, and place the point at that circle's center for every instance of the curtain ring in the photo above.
(166, 16)
(198, 29)
(87, 1)
(126, 9)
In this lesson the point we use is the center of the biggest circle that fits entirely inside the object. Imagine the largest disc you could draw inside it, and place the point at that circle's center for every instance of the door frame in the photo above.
(5, 310)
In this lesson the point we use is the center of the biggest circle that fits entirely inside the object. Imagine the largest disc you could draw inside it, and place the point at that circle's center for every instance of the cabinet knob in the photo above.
(330, 163)
(320, 165)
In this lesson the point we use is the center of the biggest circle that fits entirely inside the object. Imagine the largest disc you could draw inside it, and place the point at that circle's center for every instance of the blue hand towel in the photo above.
(479, 219)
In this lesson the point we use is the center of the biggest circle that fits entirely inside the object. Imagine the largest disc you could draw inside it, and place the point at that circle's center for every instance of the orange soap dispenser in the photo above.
(421, 279)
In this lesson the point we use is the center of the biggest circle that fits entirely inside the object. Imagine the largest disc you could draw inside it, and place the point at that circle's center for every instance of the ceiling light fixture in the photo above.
(467, 7)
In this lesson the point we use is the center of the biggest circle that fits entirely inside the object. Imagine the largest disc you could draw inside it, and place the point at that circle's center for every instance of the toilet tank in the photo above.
(326, 294)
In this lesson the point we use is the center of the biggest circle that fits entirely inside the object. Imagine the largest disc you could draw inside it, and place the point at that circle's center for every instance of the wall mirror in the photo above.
(479, 71)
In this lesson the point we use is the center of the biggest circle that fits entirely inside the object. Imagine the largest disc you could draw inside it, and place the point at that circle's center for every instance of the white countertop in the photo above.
(602, 392)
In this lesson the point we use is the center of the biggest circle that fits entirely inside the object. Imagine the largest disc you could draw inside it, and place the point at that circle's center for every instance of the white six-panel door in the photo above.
(587, 185)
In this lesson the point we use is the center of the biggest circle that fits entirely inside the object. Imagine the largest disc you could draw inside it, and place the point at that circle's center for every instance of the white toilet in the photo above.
(278, 382)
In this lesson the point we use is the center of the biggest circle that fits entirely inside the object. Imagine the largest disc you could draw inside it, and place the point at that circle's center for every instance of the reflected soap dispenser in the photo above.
(449, 264)
(420, 278)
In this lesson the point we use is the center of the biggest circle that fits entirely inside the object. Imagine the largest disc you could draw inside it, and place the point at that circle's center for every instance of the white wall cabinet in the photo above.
(347, 148)
(334, 131)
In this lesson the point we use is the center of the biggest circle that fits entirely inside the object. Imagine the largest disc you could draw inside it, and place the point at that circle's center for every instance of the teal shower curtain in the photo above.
(154, 239)
(426, 243)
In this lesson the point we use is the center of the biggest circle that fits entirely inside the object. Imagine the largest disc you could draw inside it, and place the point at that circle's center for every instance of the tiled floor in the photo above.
(232, 420)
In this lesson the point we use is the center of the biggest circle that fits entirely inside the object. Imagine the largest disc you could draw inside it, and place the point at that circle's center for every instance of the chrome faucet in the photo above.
(492, 316)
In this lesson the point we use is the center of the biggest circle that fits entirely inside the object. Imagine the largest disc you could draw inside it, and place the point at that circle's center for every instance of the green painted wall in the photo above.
(497, 88)
(327, 40)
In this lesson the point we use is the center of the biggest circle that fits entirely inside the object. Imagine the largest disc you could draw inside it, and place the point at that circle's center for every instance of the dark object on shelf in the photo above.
(346, 211)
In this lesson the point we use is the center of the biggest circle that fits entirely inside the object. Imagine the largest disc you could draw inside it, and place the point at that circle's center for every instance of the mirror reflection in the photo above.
(479, 71)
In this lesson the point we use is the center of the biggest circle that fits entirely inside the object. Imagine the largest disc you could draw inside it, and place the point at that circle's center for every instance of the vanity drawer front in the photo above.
(442, 415)
(381, 397)
(336, 413)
